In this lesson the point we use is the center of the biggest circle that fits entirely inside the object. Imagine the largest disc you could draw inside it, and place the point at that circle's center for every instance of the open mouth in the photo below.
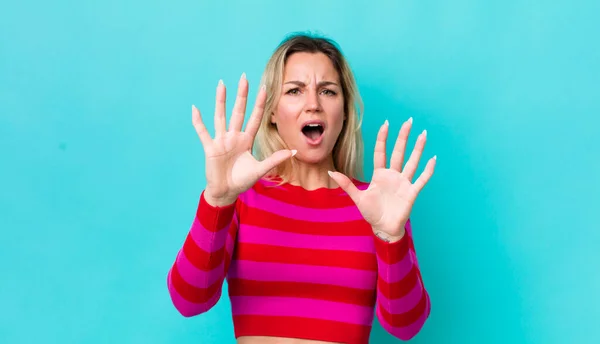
(313, 131)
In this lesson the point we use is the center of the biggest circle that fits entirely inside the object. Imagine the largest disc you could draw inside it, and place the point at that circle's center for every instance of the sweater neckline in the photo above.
(301, 190)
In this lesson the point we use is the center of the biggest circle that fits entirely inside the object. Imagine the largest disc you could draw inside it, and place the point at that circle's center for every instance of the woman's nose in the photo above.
(312, 101)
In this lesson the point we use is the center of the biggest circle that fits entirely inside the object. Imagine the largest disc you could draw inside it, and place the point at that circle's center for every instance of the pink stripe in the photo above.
(259, 235)
(208, 241)
(189, 309)
(255, 200)
(301, 307)
(195, 276)
(395, 272)
(403, 304)
(413, 254)
(407, 332)
(229, 245)
(279, 272)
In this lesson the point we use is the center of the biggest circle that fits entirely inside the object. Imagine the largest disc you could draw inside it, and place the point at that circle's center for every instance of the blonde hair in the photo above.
(348, 150)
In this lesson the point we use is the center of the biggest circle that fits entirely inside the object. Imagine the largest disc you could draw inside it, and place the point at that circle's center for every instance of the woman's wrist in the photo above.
(388, 238)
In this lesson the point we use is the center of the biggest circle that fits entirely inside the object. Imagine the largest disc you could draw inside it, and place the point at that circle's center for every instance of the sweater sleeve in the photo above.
(196, 277)
(403, 304)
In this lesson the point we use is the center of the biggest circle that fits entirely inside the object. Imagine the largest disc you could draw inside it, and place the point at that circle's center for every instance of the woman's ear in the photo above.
(273, 118)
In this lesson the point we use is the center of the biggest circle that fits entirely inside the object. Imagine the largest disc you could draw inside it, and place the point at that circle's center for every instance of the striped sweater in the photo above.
(299, 264)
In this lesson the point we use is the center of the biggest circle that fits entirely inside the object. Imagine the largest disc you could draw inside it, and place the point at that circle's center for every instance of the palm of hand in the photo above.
(228, 161)
(230, 166)
(387, 203)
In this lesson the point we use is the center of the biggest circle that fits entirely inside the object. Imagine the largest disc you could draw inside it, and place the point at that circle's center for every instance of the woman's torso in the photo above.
(303, 265)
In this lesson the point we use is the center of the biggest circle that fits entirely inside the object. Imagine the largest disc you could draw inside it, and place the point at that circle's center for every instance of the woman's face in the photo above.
(310, 112)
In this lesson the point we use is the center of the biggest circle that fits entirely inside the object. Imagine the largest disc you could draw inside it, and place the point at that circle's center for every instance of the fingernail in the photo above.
(263, 87)
(193, 106)
(410, 120)
(244, 75)
(330, 173)
(386, 122)
(221, 82)
(435, 157)
(294, 151)
(424, 133)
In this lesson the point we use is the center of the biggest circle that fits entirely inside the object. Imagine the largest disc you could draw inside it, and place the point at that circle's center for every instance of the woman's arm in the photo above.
(196, 278)
(403, 304)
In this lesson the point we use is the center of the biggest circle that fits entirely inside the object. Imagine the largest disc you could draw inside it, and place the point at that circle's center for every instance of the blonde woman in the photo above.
(310, 253)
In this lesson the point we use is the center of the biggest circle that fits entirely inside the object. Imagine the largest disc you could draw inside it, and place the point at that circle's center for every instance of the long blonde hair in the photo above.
(348, 150)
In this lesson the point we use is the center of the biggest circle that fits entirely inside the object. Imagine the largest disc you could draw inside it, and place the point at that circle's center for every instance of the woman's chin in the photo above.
(312, 157)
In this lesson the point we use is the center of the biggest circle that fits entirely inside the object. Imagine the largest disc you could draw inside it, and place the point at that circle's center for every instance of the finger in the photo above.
(415, 156)
(275, 159)
(257, 112)
(379, 155)
(426, 174)
(220, 120)
(239, 108)
(400, 147)
(200, 127)
(347, 185)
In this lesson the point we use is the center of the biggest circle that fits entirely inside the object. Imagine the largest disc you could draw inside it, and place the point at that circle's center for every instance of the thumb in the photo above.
(275, 159)
(346, 184)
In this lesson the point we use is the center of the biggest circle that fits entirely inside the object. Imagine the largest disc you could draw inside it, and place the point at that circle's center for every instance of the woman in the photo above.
(310, 253)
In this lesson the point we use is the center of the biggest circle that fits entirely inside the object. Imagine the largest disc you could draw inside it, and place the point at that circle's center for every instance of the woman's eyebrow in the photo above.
(320, 84)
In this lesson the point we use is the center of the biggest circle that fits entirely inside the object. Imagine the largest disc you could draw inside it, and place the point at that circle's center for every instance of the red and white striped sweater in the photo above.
(300, 264)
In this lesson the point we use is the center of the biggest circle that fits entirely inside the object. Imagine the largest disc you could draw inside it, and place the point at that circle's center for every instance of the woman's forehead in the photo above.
(309, 67)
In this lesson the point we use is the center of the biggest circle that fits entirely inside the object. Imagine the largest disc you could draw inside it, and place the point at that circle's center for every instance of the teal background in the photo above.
(101, 168)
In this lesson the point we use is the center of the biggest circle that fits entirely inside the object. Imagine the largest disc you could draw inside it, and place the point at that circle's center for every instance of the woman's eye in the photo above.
(295, 91)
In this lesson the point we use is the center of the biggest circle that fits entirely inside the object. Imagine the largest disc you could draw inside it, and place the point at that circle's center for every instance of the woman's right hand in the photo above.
(230, 166)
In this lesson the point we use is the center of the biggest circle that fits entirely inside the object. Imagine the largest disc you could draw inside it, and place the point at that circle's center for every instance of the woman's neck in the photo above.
(313, 176)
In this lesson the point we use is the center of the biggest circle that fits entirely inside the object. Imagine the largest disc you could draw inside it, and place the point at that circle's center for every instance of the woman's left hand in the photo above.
(387, 203)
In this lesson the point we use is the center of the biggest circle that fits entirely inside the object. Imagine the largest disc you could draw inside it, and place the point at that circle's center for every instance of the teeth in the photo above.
(314, 125)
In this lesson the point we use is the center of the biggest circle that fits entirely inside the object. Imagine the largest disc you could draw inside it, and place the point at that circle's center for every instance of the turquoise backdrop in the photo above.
(101, 168)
